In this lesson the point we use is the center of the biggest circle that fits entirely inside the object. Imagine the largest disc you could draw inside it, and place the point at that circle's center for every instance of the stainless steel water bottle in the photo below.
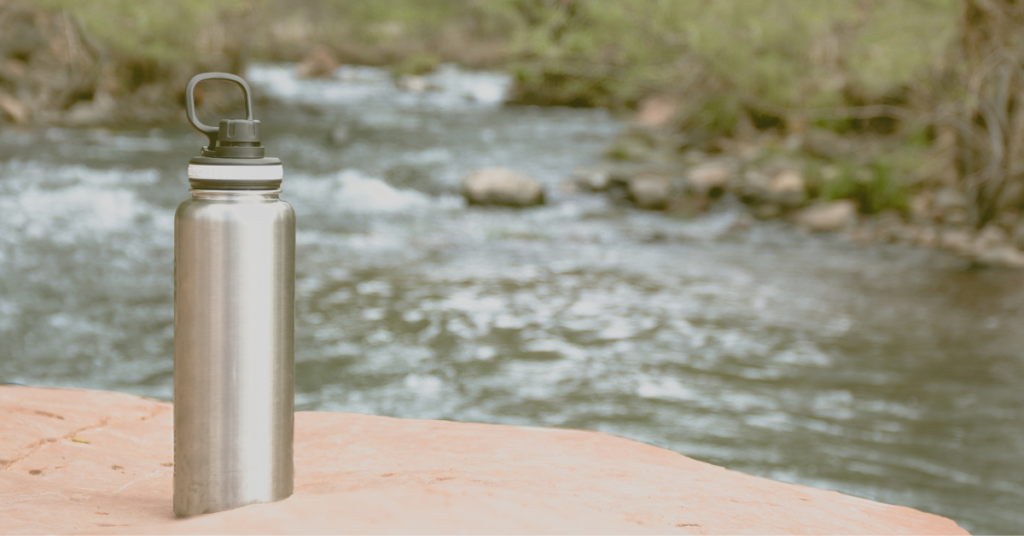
(234, 322)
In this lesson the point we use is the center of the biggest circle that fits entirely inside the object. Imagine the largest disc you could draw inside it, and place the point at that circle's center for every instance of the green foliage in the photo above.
(720, 57)
(168, 33)
(174, 32)
(375, 22)
(405, 33)
(875, 187)
(630, 148)
(416, 64)
(726, 62)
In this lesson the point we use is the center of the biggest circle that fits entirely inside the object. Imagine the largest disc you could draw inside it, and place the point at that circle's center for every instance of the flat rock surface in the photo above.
(76, 461)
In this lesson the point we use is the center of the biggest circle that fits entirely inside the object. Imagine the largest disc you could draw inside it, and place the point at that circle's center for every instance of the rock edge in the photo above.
(101, 460)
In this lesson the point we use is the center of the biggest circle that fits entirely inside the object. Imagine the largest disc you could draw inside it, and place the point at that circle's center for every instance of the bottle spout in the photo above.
(232, 138)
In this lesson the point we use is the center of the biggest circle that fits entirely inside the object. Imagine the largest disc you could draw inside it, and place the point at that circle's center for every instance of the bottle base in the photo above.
(191, 510)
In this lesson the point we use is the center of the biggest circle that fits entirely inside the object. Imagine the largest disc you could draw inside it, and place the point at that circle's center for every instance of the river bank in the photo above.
(814, 178)
(125, 65)
(55, 72)
(874, 187)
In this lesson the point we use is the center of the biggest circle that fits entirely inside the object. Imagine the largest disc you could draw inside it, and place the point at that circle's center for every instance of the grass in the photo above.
(153, 30)
(876, 187)
(721, 56)
(727, 55)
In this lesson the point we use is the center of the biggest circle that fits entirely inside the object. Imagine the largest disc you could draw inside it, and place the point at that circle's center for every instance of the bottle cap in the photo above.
(234, 142)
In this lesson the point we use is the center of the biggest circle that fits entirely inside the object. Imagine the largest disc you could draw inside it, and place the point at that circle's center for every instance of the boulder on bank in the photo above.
(415, 84)
(787, 189)
(710, 179)
(992, 246)
(1005, 256)
(638, 144)
(99, 462)
(1018, 235)
(828, 217)
(92, 112)
(657, 111)
(501, 187)
(991, 237)
(958, 240)
(13, 109)
(319, 62)
(595, 179)
(651, 191)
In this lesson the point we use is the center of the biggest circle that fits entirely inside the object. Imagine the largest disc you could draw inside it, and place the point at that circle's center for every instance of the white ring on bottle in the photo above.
(251, 173)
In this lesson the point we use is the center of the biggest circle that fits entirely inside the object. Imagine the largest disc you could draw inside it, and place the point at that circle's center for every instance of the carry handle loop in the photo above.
(190, 104)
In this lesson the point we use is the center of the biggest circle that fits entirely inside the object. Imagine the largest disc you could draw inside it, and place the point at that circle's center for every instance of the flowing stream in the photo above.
(884, 372)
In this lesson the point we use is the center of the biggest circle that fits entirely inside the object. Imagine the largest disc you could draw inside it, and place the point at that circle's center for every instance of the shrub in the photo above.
(875, 187)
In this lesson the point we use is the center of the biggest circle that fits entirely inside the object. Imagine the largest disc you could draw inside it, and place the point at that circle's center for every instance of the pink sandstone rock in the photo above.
(76, 461)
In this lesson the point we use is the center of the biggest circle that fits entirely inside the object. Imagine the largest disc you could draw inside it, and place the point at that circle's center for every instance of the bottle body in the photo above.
(234, 357)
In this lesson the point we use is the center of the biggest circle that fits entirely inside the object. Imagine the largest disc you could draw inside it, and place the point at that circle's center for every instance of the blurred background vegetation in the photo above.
(726, 56)
(938, 80)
